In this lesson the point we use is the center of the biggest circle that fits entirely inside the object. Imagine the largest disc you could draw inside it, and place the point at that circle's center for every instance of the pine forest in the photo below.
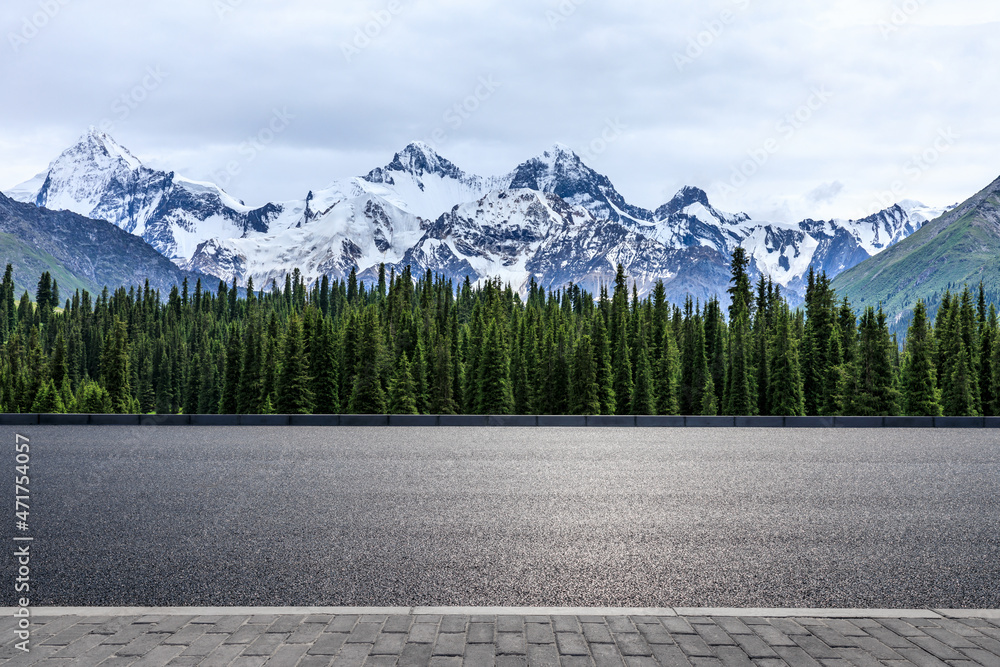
(421, 344)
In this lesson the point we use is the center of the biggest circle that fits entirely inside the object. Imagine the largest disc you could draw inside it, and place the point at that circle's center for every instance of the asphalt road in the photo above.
(507, 516)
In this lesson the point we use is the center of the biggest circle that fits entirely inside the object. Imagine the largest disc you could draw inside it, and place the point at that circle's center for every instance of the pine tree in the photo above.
(920, 392)
(294, 383)
(495, 395)
(622, 367)
(668, 374)
(442, 400)
(115, 367)
(229, 403)
(872, 391)
(605, 374)
(785, 380)
(586, 392)
(48, 400)
(326, 372)
(402, 395)
(367, 395)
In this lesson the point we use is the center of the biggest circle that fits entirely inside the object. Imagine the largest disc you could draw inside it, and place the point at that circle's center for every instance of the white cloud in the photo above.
(757, 62)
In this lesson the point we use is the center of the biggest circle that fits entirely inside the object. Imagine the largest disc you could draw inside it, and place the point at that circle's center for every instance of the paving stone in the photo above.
(483, 618)
(620, 624)
(754, 646)
(574, 661)
(511, 661)
(306, 633)
(480, 655)
(352, 655)
(669, 655)
(287, 656)
(936, 648)
(398, 623)
(676, 625)
(415, 655)
(204, 645)
(795, 656)
(443, 661)
(380, 661)
(950, 638)
(481, 633)
(693, 646)
(706, 662)
(325, 619)
(186, 635)
(511, 623)
(770, 662)
(565, 624)
(245, 635)
(640, 661)
(632, 643)
(450, 643)
(714, 635)
(228, 624)
(537, 619)
(889, 638)
(732, 625)
(170, 624)
(733, 656)
(841, 662)
(597, 633)
(788, 626)
(315, 661)
(846, 628)
(265, 645)
(543, 655)
(988, 643)
(859, 657)
(983, 657)
(958, 627)
(454, 624)
(126, 635)
(364, 633)
(158, 656)
(287, 624)
(389, 643)
(184, 661)
(876, 648)
(328, 643)
(511, 643)
(422, 633)
(342, 623)
(773, 636)
(141, 645)
(222, 656)
(654, 633)
(571, 643)
(428, 618)
(80, 646)
(815, 647)
(832, 638)
(900, 627)
(539, 633)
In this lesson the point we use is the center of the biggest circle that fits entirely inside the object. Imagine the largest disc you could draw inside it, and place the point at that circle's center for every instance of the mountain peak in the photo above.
(96, 145)
(685, 197)
(417, 159)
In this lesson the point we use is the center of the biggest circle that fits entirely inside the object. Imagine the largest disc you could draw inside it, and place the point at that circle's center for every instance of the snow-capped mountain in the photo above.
(552, 218)
(100, 179)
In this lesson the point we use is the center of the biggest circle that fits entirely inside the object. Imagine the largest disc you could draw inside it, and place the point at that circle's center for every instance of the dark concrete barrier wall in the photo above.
(31, 419)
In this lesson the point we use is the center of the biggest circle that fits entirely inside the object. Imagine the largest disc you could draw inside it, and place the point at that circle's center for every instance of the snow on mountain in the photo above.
(552, 218)
(420, 181)
(100, 179)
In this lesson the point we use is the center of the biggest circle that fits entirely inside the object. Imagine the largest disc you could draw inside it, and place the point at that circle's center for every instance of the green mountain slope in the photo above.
(960, 247)
(80, 253)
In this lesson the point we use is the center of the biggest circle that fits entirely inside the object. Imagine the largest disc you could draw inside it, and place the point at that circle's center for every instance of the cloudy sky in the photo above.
(781, 109)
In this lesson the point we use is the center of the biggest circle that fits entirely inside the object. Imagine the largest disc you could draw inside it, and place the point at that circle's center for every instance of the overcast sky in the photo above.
(782, 109)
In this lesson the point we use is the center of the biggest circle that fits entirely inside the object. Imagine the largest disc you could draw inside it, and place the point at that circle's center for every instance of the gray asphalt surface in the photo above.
(495, 516)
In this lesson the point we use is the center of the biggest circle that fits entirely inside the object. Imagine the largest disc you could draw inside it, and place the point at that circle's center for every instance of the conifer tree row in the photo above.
(422, 344)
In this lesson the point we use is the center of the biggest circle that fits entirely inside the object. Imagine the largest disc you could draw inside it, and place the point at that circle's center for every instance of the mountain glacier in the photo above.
(552, 219)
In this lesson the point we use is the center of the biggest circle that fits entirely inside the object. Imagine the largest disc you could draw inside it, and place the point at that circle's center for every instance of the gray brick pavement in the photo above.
(483, 640)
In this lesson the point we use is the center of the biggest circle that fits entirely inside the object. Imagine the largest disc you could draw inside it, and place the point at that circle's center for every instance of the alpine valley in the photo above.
(552, 219)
